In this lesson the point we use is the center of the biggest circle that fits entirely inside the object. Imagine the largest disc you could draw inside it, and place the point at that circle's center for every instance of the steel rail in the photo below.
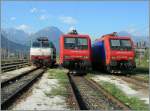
(13, 66)
(139, 79)
(107, 94)
(12, 96)
(4, 82)
(96, 88)
(135, 81)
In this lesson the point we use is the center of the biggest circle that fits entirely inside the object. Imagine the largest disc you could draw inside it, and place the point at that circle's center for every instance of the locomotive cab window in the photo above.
(120, 44)
(45, 44)
(126, 43)
(115, 43)
(75, 43)
(82, 43)
(69, 43)
(35, 44)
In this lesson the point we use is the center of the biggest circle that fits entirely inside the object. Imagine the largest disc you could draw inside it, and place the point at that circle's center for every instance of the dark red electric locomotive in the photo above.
(113, 53)
(75, 51)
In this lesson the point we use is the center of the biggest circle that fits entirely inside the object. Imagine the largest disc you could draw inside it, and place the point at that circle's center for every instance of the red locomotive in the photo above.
(113, 53)
(75, 51)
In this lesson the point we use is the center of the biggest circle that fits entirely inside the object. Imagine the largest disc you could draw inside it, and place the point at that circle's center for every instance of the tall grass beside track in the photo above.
(61, 76)
(143, 64)
(133, 102)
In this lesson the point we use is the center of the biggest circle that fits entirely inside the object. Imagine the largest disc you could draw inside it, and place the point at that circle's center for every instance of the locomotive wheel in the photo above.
(77, 72)
(60, 66)
(108, 69)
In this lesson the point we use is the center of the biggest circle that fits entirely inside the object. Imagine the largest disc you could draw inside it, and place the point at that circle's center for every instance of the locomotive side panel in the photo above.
(53, 53)
(98, 54)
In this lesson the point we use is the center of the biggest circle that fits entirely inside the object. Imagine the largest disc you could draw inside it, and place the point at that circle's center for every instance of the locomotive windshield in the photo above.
(120, 44)
(126, 43)
(40, 44)
(45, 44)
(36, 44)
(115, 43)
(75, 43)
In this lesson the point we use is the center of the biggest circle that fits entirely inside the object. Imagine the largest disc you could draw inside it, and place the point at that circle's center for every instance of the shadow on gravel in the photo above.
(143, 71)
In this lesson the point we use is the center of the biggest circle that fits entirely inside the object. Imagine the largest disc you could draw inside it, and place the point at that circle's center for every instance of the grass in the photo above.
(57, 59)
(133, 102)
(144, 63)
(57, 74)
(90, 75)
(60, 75)
(142, 76)
(146, 77)
(143, 67)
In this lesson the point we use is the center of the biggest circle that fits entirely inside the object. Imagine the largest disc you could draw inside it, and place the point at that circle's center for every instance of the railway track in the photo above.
(13, 88)
(139, 79)
(134, 80)
(12, 66)
(91, 96)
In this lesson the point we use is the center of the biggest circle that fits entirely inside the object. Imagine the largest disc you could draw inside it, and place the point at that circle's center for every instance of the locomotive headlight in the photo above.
(85, 57)
(113, 63)
(130, 58)
(66, 57)
(113, 57)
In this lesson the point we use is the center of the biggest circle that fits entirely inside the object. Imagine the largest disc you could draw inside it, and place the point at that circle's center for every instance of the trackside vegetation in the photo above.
(143, 64)
(61, 76)
(133, 102)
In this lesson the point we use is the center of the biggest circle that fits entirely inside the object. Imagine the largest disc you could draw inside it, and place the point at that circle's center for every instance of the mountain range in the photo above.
(11, 45)
(53, 34)
(136, 38)
(20, 40)
(14, 36)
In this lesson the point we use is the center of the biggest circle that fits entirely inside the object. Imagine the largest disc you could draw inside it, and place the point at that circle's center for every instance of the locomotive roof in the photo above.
(42, 39)
(113, 36)
(72, 35)
(74, 32)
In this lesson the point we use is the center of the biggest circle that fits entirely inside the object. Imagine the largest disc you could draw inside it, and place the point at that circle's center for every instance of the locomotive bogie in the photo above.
(121, 65)
(77, 64)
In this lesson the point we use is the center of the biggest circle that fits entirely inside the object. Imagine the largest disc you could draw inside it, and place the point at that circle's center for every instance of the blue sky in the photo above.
(93, 18)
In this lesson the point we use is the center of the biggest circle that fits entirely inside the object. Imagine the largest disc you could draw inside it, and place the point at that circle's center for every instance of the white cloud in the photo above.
(13, 18)
(34, 10)
(24, 27)
(68, 20)
(131, 30)
(136, 31)
(43, 17)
